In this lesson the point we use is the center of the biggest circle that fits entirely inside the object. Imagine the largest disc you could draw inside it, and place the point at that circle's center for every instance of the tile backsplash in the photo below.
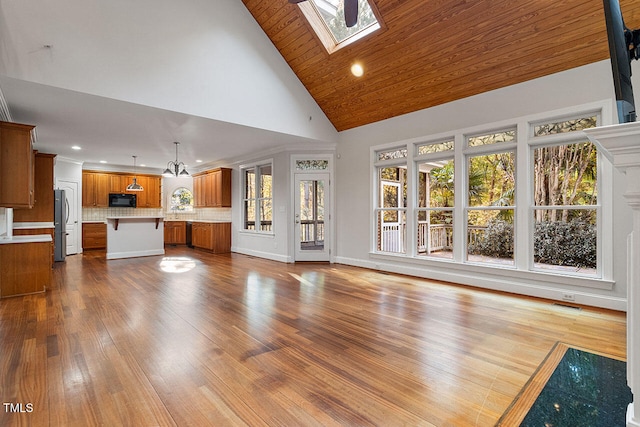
(212, 214)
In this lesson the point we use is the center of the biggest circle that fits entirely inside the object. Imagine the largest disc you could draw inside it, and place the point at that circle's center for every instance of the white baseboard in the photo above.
(133, 254)
(511, 285)
(545, 289)
(266, 255)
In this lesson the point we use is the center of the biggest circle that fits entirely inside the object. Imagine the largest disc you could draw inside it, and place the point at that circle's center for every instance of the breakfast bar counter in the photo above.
(134, 236)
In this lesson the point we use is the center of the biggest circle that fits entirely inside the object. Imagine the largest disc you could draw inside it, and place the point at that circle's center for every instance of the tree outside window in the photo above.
(182, 200)
(257, 198)
(558, 226)
(436, 192)
(566, 206)
(491, 202)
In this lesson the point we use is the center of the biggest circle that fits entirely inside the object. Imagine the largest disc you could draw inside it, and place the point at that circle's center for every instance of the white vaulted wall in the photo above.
(203, 58)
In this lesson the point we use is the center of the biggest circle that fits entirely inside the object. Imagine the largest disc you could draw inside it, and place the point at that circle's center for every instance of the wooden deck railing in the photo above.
(431, 237)
(264, 225)
(311, 232)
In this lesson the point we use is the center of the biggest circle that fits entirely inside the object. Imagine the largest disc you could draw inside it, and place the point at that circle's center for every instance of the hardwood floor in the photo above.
(236, 340)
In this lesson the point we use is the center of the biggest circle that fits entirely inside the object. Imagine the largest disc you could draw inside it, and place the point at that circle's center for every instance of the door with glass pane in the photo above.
(311, 217)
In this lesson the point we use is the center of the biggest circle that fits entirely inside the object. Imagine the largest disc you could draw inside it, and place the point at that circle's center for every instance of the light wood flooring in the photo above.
(236, 340)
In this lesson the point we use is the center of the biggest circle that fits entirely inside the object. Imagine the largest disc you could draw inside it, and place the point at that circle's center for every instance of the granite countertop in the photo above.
(36, 238)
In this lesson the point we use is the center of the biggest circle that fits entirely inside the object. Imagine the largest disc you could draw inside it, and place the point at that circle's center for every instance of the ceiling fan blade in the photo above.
(350, 12)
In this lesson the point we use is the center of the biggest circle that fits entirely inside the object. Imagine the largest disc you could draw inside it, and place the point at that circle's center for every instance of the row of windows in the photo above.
(456, 198)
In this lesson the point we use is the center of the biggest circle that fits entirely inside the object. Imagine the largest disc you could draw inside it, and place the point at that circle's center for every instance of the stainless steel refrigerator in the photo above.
(60, 215)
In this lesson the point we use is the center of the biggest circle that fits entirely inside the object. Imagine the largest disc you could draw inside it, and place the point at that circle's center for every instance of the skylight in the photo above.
(327, 19)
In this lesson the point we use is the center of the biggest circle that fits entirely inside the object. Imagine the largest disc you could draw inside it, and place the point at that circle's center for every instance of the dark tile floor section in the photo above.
(584, 390)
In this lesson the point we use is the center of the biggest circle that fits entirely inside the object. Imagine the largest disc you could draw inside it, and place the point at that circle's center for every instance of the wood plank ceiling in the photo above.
(430, 52)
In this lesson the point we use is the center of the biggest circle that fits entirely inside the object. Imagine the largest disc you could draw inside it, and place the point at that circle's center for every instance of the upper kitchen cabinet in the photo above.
(16, 166)
(150, 197)
(212, 189)
(202, 190)
(118, 183)
(42, 210)
(95, 189)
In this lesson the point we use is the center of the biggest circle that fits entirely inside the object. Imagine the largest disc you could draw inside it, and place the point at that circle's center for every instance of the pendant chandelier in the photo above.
(173, 167)
(134, 186)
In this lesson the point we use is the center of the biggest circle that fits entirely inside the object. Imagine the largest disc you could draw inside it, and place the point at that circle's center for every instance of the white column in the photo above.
(621, 145)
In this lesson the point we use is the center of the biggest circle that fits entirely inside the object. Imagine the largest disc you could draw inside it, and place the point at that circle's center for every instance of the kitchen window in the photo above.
(182, 200)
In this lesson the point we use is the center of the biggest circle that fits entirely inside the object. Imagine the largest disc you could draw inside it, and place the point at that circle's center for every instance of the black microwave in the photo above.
(122, 200)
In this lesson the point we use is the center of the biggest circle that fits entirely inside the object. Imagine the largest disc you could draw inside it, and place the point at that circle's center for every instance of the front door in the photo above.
(312, 217)
(71, 214)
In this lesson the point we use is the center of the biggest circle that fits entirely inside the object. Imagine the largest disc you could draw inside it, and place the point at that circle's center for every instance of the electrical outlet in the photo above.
(568, 297)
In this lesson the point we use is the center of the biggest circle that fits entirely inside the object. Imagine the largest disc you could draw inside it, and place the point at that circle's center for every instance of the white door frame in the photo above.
(327, 160)
(323, 254)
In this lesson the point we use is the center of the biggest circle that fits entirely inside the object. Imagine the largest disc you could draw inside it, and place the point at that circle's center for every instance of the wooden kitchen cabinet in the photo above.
(150, 197)
(25, 268)
(212, 189)
(175, 232)
(42, 210)
(118, 183)
(212, 236)
(37, 231)
(16, 166)
(94, 235)
(199, 191)
(154, 195)
(95, 189)
(221, 186)
(201, 235)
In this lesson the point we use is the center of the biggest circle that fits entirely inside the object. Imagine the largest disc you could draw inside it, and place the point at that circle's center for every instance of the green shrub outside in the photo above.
(555, 243)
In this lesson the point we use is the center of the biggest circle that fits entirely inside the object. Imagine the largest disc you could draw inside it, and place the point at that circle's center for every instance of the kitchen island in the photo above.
(134, 236)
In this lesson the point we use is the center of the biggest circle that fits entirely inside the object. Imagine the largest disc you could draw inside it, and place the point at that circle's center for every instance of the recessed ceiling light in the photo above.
(103, 161)
(357, 70)
(198, 161)
(76, 147)
(143, 165)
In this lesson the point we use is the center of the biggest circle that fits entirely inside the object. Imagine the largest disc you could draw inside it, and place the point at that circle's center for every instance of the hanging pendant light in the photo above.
(134, 186)
(173, 167)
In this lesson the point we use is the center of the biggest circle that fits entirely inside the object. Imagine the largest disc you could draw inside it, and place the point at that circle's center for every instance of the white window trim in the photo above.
(523, 265)
(477, 151)
(331, 159)
(447, 155)
(256, 166)
(376, 166)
